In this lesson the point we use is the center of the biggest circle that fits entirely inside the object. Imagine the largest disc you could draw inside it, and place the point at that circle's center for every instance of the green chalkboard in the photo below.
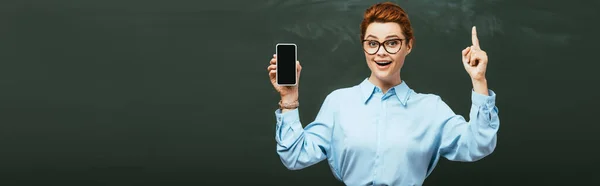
(134, 92)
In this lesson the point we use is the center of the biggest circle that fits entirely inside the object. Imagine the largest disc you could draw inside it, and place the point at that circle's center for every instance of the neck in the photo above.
(385, 85)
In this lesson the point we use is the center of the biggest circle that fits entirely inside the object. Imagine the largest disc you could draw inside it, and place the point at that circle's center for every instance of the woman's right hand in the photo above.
(288, 93)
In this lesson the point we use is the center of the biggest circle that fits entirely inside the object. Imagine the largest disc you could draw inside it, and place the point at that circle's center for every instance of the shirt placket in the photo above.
(379, 128)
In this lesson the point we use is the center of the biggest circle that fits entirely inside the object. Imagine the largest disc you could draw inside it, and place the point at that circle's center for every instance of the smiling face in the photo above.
(386, 62)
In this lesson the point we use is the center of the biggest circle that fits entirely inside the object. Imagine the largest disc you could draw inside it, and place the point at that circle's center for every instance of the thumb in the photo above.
(465, 51)
(465, 54)
(299, 67)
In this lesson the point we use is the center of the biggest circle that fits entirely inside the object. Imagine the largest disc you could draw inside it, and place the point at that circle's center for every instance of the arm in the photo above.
(473, 140)
(302, 147)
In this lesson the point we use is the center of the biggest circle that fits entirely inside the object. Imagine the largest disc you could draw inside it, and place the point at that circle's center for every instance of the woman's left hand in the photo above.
(474, 59)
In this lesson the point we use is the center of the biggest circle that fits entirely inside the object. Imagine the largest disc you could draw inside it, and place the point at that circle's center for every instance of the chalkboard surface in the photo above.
(132, 92)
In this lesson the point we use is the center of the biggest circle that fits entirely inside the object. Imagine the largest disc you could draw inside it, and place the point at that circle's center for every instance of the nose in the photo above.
(381, 51)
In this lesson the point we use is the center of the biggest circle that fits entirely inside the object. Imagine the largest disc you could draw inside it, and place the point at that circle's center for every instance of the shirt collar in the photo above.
(402, 91)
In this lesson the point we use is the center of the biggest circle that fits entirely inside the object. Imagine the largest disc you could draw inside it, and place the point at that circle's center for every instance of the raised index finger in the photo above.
(474, 37)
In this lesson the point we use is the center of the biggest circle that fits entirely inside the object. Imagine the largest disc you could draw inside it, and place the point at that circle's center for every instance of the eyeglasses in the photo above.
(392, 46)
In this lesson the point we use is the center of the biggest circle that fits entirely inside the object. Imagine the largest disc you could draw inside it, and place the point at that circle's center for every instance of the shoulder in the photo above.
(343, 94)
(339, 94)
(424, 99)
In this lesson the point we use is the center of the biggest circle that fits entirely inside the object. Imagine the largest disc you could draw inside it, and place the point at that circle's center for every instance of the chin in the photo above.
(383, 75)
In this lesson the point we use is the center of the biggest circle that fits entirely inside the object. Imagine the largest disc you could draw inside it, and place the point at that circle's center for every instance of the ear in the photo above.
(409, 46)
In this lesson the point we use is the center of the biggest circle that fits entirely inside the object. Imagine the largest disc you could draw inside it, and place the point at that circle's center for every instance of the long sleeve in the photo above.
(473, 140)
(302, 147)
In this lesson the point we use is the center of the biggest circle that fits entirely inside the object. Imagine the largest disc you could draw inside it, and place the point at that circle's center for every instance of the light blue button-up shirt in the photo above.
(396, 138)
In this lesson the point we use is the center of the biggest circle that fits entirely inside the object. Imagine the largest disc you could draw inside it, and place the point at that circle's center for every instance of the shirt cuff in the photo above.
(290, 118)
(485, 101)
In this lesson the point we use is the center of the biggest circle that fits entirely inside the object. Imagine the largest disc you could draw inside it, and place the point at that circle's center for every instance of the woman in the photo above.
(381, 132)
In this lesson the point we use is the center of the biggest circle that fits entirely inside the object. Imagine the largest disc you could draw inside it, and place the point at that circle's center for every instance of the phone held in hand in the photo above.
(286, 64)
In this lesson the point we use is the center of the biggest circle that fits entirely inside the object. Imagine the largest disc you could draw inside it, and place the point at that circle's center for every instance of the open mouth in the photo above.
(382, 63)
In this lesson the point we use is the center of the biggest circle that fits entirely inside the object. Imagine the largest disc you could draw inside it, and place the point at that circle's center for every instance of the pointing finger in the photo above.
(474, 38)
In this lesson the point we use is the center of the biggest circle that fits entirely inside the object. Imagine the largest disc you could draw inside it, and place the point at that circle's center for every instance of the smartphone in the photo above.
(286, 64)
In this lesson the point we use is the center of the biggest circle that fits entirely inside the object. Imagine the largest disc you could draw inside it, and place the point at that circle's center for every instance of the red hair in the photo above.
(387, 12)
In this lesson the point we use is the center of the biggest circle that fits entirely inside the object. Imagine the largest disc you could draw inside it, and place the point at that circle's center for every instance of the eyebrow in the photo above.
(390, 36)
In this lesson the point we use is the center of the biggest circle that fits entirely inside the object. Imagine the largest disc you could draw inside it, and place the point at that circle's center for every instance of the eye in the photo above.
(392, 43)
(373, 43)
